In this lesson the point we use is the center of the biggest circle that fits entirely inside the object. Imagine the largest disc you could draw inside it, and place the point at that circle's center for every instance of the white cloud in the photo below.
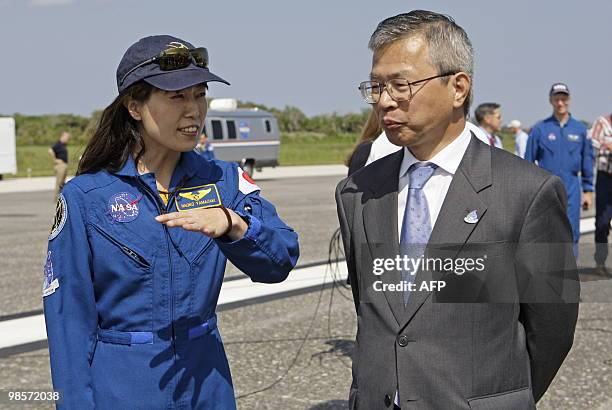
(50, 3)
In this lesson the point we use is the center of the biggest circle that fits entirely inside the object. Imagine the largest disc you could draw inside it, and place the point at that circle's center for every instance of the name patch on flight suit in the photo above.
(199, 197)
(49, 284)
(573, 137)
(123, 207)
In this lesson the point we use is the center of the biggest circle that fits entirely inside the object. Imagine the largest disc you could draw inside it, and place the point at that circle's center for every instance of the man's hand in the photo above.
(211, 222)
(587, 200)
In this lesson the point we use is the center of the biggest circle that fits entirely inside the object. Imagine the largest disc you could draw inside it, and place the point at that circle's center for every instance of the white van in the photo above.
(249, 136)
(8, 151)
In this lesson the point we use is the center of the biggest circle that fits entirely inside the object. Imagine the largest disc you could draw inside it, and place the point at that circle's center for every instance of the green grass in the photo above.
(296, 149)
(303, 148)
(37, 160)
(299, 148)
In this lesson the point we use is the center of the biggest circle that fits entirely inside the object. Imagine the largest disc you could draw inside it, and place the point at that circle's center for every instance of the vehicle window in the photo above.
(268, 126)
(231, 129)
(217, 130)
(204, 130)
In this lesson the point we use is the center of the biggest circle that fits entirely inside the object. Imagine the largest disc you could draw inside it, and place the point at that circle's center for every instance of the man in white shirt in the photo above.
(520, 138)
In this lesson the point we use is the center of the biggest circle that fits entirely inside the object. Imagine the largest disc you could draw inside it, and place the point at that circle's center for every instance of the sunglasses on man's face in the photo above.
(175, 59)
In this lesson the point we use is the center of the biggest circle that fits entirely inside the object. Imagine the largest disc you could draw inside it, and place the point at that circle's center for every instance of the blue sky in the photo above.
(61, 55)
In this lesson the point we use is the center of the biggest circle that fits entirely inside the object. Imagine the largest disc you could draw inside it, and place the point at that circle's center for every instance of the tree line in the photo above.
(46, 129)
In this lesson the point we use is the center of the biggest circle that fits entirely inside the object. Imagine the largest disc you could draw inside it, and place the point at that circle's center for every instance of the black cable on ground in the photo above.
(335, 249)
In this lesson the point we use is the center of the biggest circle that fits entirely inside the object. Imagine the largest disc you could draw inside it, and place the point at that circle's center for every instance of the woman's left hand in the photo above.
(211, 222)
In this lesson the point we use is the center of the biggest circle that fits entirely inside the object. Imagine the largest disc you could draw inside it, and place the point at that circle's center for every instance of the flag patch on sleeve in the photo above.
(50, 284)
(245, 184)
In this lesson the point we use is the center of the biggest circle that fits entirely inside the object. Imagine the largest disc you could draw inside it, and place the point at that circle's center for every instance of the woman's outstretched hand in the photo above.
(211, 222)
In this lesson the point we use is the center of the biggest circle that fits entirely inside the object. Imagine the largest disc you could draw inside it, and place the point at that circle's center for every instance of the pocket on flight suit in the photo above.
(574, 156)
(123, 270)
(136, 253)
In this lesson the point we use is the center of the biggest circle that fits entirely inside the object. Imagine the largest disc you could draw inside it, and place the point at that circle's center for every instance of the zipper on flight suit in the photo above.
(162, 209)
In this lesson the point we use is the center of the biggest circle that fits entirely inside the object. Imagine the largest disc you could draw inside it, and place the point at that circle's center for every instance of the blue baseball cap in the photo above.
(558, 88)
(172, 80)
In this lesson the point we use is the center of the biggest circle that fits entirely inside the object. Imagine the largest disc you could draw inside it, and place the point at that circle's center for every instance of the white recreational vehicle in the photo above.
(249, 136)
(8, 152)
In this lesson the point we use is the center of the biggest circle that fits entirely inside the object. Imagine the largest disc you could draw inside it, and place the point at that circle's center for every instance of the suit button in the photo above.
(402, 340)
(387, 400)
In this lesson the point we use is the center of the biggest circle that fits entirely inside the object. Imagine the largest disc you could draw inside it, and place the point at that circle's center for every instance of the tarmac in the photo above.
(291, 350)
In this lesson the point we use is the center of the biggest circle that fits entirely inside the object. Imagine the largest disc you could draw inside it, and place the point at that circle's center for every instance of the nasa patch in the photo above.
(123, 207)
(552, 137)
(245, 184)
(49, 283)
(61, 214)
(204, 196)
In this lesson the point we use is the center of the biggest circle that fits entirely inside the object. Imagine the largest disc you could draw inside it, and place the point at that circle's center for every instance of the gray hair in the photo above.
(450, 49)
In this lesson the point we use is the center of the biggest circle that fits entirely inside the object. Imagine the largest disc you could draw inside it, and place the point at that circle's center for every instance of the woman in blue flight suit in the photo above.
(140, 241)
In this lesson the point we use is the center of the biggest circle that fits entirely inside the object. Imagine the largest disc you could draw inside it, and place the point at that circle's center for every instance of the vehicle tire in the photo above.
(249, 168)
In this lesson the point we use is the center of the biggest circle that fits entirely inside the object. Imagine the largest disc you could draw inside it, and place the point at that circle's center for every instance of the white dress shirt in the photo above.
(520, 143)
(435, 189)
(437, 186)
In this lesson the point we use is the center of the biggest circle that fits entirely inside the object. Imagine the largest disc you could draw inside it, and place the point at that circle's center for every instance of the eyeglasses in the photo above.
(175, 59)
(399, 89)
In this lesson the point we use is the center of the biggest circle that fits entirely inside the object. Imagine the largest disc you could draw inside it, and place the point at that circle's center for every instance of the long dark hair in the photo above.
(117, 135)
(370, 131)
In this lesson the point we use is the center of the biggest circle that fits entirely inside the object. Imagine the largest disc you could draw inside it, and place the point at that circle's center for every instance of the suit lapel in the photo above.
(380, 225)
(472, 176)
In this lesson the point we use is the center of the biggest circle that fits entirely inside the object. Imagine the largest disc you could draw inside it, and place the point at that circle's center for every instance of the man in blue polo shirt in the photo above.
(559, 144)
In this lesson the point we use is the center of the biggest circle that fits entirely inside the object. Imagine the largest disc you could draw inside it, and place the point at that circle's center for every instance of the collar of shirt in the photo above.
(554, 119)
(435, 190)
(189, 165)
(448, 159)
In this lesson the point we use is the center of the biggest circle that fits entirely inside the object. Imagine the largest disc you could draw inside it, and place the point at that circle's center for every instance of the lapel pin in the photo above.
(472, 217)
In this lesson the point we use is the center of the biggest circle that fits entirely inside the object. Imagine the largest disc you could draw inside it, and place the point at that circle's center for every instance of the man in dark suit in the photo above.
(450, 336)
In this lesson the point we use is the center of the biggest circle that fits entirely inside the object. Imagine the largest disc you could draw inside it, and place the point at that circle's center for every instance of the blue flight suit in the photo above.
(130, 304)
(566, 152)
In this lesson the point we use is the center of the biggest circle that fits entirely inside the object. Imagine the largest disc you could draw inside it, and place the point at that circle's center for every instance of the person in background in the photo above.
(59, 153)
(559, 144)
(205, 148)
(601, 135)
(489, 118)
(358, 158)
(520, 138)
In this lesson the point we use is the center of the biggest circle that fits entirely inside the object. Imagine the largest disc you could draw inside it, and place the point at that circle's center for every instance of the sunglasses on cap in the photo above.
(175, 58)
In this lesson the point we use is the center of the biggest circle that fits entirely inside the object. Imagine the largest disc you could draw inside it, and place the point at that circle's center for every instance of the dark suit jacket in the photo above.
(360, 157)
(502, 354)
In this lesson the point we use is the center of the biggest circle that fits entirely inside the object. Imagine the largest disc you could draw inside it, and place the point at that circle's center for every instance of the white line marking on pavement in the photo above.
(31, 329)
(21, 331)
(587, 225)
